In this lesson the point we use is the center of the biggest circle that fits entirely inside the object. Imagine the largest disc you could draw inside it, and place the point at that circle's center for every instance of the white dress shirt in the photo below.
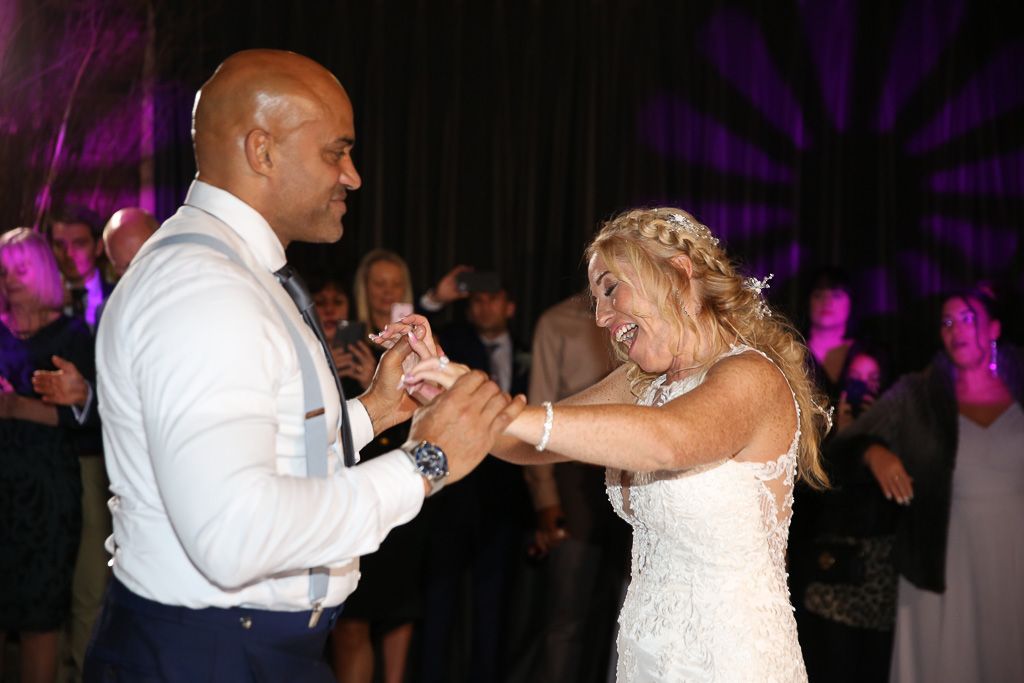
(201, 398)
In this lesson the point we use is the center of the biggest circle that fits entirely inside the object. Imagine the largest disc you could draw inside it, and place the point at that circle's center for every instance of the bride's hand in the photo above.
(419, 325)
(438, 371)
(417, 329)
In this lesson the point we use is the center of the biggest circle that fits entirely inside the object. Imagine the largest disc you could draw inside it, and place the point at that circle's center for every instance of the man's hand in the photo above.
(386, 401)
(447, 288)
(892, 477)
(64, 386)
(356, 363)
(465, 421)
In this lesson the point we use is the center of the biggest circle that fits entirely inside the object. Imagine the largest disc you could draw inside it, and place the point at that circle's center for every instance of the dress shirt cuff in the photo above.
(398, 484)
(82, 413)
(429, 303)
(362, 426)
(540, 479)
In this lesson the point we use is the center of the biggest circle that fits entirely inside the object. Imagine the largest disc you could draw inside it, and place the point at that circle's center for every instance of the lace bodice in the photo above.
(708, 599)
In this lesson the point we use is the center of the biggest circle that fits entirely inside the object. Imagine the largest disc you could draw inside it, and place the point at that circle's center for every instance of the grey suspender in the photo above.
(312, 398)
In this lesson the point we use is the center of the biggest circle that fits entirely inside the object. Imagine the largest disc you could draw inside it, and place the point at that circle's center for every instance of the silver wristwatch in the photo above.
(430, 461)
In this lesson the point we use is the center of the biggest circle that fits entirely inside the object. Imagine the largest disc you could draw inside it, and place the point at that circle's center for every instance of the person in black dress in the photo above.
(40, 488)
(377, 623)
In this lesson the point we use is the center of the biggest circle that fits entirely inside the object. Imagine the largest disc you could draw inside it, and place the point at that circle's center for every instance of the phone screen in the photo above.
(474, 281)
(400, 310)
(348, 332)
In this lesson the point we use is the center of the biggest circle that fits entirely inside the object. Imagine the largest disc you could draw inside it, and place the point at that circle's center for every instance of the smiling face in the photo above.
(316, 173)
(634, 321)
(967, 332)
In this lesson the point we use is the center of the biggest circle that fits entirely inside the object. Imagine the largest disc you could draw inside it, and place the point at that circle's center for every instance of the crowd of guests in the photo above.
(904, 569)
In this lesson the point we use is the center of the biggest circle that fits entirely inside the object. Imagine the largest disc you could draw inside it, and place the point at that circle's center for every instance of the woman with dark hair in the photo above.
(849, 602)
(945, 443)
(40, 488)
(828, 340)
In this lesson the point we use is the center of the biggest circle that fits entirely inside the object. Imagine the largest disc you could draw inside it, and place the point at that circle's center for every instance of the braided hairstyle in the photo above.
(729, 309)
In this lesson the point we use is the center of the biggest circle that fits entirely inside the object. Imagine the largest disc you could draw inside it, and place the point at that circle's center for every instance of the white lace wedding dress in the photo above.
(708, 599)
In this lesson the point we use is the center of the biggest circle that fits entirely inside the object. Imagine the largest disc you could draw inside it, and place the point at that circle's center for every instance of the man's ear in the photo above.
(683, 264)
(259, 146)
(510, 309)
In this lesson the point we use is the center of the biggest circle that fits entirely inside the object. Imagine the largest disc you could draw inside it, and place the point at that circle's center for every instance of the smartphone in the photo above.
(856, 390)
(474, 281)
(348, 332)
(399, 311)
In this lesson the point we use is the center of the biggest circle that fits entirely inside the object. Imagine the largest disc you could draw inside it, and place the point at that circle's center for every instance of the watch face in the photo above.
(431, 461)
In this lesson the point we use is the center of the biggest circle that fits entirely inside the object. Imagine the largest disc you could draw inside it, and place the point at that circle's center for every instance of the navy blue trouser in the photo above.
(139, 640)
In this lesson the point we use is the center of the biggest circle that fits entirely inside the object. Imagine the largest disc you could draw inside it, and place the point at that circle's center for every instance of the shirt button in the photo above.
(246, 622)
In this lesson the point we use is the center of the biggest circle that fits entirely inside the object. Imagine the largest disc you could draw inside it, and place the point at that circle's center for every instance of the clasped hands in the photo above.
(462, 411)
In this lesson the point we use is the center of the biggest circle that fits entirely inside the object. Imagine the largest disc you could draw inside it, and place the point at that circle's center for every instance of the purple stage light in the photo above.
(673, 128)
(922, 274)
(876, 292)
(736, 221)
(752, 71)
(999, 176)
(114, 140)
(995, 90)
(912, 58)
(830, 30)
(783, 262)
(986, 248)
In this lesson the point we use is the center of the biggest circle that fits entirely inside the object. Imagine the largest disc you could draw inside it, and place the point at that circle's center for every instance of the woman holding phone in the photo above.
(381, 612)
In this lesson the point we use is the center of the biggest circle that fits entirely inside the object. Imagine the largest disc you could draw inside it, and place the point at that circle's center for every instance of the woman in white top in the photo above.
(703, 429)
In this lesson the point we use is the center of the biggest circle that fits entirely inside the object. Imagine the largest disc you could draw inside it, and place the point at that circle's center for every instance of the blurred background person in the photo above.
(583, 544)
(829, 308)
(828, 335)
(945, 443)
(473, 562)
(376, 626)
(850, 599)
(76, 237)
(347, 339)
(124, 234)
(40, 488)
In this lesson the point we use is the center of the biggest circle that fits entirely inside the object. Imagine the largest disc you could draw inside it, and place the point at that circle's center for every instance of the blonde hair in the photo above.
(730, 309)
(359, 289)
(24, 244)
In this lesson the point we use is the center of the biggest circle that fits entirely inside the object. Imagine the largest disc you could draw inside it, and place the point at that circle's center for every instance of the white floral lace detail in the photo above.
(708, 599)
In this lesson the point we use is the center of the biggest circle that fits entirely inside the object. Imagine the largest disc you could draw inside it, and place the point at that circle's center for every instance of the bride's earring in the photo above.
(993, 365)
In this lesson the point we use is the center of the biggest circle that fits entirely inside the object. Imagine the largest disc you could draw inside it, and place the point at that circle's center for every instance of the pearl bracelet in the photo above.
(549, 419)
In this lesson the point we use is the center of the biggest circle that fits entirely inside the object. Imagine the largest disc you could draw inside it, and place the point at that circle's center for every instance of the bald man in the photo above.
(223, 535)
(124, 234)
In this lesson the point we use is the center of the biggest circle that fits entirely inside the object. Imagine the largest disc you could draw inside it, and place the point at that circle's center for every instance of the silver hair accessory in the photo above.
(757, 287)
(698, 230)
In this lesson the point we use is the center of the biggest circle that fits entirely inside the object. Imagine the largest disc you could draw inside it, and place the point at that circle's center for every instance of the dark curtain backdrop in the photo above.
(884, 136)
